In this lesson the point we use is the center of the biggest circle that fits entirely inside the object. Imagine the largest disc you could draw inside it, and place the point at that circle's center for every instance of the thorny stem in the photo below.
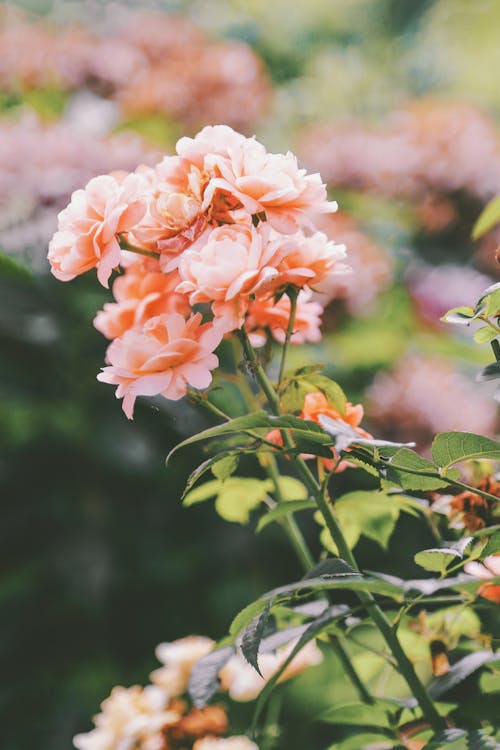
(126, 245)
(366, 598)
(292, 296)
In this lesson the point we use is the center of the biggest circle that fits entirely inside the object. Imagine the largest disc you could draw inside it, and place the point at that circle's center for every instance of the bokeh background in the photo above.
(397, 104)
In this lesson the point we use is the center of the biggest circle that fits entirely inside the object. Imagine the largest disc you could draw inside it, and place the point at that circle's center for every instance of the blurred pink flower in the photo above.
(169, 354)
(372, 267)
(225, 743)
(429, 146)
(419, 398)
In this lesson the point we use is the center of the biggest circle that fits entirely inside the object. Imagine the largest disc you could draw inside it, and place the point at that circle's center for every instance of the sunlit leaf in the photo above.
(283, 510)
(488, 218)
(450, 448)
(437, 559)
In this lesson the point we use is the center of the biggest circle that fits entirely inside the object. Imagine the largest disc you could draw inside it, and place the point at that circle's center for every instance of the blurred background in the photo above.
(397, 104)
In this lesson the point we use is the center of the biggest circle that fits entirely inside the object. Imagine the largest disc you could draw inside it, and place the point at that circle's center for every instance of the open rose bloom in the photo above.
(222, 225)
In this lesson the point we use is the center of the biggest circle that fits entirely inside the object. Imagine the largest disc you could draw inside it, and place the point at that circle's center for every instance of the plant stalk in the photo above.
(405, 666)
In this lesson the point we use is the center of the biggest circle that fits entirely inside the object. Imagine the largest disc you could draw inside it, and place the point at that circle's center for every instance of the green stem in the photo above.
(292, 296)
(259, 372)
(366, 598)
(126, 245)
(404, 664)
(290, 525)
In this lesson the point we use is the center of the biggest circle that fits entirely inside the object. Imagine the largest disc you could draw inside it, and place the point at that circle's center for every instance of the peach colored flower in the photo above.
(311, 261)
(130, 717)
(489, 568)
(225, 743)
(243, 683)
(89, 224)
(174, 217)
(140, 294)
(266, 314)
(167, 355)
(316, 405)
(224, 267)
(178, 659)
(262, 182)
(216, 140)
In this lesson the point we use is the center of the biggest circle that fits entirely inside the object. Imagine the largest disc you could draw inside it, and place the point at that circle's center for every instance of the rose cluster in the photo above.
(160, 717)
(218, 236)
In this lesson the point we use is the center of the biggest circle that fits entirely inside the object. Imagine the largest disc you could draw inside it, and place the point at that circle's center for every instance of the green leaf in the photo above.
(291, 489)
(410, 471)
(224, 467)
(488, 218)
(358, 714)
(461, 315)
(449, 448)
(489, 682)
(238, 496)
(246, 615)
(283, 510)
(484, 335)
(460, 671)
(437, 559)
(342, 582)
(493, 546)
(332, 566)
(252, 637)
(366, 739)
(492, 302)
(204, 467)
(257, 420)
(235, 497)
(203, 492)
(331, 390)
(204, 677)
(371, 514)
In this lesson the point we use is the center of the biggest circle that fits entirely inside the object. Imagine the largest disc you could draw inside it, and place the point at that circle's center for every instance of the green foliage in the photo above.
(450, 448)
(439, 559)
(489, 217)
(279, 512)
(235, 497)
(252, 637)
(484, 335)
(408, 470)
(370, 514)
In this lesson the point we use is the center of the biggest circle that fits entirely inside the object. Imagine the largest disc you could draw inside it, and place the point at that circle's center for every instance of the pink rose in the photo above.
(311, 261)
(265, 314)
(225, 266)
(89, 224)
(269, 183)
(141, 293)
(169, 354)
(213, 139)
